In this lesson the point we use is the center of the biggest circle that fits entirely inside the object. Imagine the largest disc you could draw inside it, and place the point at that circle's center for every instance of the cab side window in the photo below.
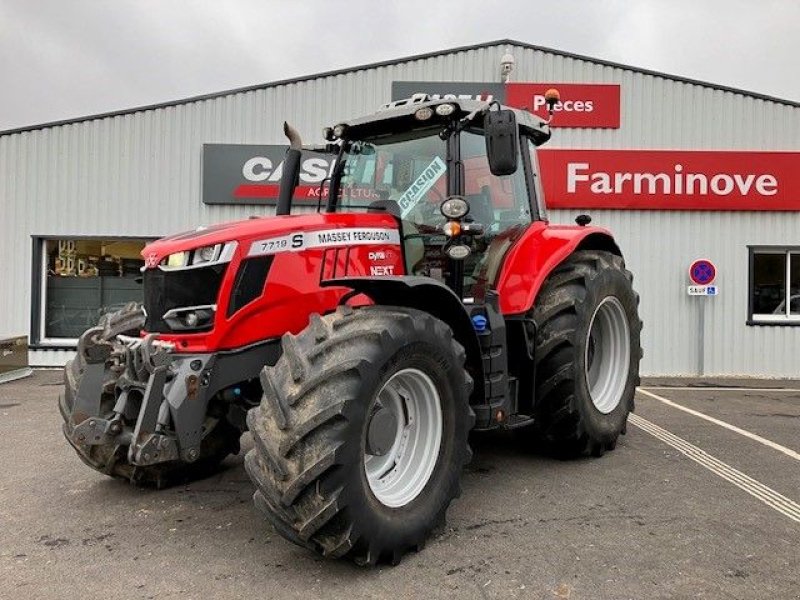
(496, 202)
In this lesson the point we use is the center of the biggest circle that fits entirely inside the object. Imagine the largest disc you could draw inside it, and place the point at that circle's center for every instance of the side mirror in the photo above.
(502, 143)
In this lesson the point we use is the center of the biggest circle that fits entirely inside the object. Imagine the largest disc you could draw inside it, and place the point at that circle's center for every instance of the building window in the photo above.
(774, 286)
(78, 281)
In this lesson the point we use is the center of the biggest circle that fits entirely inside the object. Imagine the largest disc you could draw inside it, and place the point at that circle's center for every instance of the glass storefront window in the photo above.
(775, 285)
(83, 279)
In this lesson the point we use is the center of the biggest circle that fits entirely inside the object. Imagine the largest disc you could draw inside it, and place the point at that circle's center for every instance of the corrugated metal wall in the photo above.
(139, 174)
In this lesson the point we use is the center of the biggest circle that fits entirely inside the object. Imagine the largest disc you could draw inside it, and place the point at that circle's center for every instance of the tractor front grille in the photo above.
(165, 290)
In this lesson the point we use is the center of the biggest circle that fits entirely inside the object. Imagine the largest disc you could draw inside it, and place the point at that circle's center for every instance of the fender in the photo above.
(534, 256)
(424, 293)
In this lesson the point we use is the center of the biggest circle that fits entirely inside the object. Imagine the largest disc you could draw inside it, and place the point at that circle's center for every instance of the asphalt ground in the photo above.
(648, 520)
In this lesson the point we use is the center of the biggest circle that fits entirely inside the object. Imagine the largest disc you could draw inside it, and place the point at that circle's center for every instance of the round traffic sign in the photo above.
(702, 272)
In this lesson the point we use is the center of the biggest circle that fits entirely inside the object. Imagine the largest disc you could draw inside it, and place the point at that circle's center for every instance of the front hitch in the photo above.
(133, 398)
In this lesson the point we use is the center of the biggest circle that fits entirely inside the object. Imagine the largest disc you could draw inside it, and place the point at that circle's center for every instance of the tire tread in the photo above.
(559, 422)
(311, 385)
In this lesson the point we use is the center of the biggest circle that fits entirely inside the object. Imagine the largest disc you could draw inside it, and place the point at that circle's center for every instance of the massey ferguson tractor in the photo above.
(427, 296)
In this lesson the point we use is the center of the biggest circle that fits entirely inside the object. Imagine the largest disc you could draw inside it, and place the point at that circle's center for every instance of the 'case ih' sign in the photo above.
(464, 90)
(581, 105)
(250, 174)
(599, 179)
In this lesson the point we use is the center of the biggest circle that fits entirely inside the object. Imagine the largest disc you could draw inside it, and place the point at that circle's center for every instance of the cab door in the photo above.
(501, 204)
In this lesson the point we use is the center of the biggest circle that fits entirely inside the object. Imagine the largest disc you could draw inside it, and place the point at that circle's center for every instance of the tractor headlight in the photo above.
(190, 317)
(199, 257)
(444, 110)
(176, 260)
(455, 207)
(206, 254)
(338, 130)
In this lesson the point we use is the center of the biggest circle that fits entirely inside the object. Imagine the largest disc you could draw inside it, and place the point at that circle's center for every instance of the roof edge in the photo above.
(394, 61)
(663, 75)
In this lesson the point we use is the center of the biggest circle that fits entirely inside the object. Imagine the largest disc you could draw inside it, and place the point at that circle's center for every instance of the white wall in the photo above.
(139, 174)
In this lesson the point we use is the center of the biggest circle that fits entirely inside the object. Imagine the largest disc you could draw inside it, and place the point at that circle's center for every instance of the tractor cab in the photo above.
(460, 176)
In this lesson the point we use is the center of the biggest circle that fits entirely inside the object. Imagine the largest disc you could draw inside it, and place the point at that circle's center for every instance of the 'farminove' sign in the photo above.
(671, 180)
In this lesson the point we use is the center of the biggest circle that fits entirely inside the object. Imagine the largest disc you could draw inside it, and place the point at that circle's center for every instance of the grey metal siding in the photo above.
(139, 174)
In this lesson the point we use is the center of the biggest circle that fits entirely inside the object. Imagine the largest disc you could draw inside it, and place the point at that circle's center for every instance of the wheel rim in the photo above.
(608, 352)
(400, 474)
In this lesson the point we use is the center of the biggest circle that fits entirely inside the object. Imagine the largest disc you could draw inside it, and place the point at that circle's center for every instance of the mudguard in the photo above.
(534, 256)
(426, 294)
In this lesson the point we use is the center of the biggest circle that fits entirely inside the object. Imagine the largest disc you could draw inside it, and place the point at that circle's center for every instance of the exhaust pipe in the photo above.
(291, 170)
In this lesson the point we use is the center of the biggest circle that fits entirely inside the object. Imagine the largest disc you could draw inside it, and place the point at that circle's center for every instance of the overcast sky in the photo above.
(67, 58)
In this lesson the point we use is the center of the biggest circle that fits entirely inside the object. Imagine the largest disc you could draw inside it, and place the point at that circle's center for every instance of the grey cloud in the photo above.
(64, 59)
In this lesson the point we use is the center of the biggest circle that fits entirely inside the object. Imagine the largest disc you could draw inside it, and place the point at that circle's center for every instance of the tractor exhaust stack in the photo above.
(291, 170)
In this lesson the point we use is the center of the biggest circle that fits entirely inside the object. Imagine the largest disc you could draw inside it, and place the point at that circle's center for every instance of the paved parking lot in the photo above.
(686, 507)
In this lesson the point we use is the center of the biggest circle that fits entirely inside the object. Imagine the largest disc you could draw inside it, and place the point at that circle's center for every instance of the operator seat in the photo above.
(481, 212)
(480, 207)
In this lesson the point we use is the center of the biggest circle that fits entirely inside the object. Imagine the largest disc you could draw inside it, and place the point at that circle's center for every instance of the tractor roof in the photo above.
(398, 116)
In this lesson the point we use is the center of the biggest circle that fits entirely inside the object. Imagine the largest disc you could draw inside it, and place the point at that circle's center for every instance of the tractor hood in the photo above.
(271, 235)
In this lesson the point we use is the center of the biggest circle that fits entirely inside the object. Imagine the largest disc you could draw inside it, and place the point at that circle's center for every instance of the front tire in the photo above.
(361, 435)
(587, 354)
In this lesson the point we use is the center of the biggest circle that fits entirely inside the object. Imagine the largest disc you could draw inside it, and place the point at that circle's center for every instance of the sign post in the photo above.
(702, 274)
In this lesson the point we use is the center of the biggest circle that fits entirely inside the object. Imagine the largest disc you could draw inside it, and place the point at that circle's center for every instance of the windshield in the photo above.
(403, 174)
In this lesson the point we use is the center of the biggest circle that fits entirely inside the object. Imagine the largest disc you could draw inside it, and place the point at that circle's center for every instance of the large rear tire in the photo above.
(361, 435)
(587, 354)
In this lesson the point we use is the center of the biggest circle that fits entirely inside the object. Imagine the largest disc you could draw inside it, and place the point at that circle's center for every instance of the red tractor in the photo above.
(360, 344)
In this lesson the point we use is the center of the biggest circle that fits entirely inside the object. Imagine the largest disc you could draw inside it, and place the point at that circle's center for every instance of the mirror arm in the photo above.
(478, 112)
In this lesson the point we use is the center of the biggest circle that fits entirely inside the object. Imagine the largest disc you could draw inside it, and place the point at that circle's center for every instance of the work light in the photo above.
(424, 113)
(455, 207)
(444, 110)
(458, 252)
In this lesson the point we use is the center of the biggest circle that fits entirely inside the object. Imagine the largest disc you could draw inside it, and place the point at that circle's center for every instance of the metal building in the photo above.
(78, 197)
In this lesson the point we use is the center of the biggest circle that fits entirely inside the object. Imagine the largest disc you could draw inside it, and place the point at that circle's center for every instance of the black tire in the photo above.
(310, 432)
(221, 440)
(567, 421)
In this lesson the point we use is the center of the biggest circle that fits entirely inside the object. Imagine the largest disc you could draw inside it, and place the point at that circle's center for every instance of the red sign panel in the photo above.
(702, 272)
(582, 105)
(671, 180)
